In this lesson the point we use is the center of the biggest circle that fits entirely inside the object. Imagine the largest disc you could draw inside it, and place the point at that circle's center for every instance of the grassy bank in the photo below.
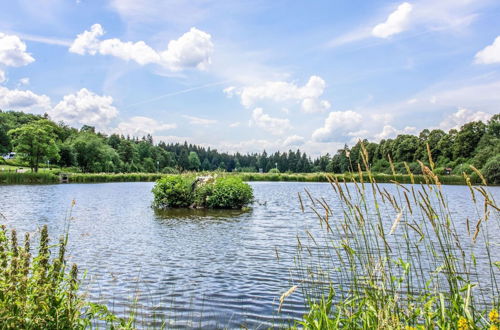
(28, 178)
(52, 177)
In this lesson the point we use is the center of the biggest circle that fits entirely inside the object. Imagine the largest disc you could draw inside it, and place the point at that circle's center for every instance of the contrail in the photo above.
(42, 39)
(187, 90)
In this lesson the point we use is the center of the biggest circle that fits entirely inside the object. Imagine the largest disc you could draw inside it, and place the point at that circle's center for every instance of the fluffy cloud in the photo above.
(200, 121)
(396, 22)
(490, 54)
(13, 51)
(235, 124)
(294, 140)
(3, 77)
(141, 126)
(24, 81)
(15, 99)
(390, 132)
(276, 126)
(463, 116)
(85, 108)
(337, 124)
(282, 91)
(192, 50)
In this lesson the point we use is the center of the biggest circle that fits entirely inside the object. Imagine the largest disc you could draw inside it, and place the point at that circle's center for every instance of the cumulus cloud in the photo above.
(390, 132)
(192, 50)
(13, 51)
(294, 140)
(463, 116)
(396, 22)
(85, 108)
(490, 54)
(3, 77)
(282, 91)
(276, 126)
(337, 124)
(141, 126)
(23, 100)
(200, 121)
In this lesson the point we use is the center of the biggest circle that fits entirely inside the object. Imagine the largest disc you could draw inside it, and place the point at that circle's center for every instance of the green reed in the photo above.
(395, 260)
(27, 178)
(39, 290)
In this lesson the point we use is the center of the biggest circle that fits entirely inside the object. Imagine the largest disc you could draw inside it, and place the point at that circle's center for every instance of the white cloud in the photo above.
(390, 132)
(87, 42)
(192, 50)
(235, 124)
(490, 54)
(294, 140)
(3, 77)
(13, 51)
(463, 116)
(336, 125)
(397, 22)
(311, 105)
(141, 126)
(23, 100)
(282, 91)
(24, 81)
(85, 108)
(200, 121)
(276, 126)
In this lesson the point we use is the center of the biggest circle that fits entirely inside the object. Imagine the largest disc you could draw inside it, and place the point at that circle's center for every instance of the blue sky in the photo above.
(253, 75)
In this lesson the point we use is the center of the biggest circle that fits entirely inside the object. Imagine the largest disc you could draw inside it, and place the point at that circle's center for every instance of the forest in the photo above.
(38, 141)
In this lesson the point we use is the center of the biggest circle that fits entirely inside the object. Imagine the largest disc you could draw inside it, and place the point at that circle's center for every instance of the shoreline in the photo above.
(10, 178)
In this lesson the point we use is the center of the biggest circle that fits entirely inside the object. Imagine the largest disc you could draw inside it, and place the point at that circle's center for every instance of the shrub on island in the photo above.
(201, 192)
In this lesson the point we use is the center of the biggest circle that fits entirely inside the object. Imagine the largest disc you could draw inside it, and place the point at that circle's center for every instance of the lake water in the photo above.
(195, 268)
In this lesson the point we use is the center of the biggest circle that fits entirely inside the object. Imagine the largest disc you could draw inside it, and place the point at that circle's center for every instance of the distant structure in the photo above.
(9, 155)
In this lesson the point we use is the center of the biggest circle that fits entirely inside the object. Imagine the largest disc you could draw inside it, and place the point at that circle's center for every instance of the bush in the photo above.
(491, 170)
(224, 193)
(169, 170)
(174, 191)
(215, 193)
(274, 170)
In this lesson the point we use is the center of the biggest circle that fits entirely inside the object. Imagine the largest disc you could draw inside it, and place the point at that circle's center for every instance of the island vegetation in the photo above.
(178, 191)
(42, 144)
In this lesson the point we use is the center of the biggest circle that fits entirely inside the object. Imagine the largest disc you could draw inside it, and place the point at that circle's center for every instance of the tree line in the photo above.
(37, 140)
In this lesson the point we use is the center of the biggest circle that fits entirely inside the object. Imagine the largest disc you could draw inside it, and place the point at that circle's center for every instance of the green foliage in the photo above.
(35, 142)
(40, 291)
(274, 170)
(223, 193)
(194, 161)
(491, 170)
(175, 191)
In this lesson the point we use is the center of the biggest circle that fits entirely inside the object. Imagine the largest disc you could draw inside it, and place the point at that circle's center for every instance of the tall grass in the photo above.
(39, 290)
(399, 259)
(113, 177)
(27, 178)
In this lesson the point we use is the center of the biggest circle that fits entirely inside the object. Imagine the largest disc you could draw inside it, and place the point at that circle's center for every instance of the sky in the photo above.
(252, 75)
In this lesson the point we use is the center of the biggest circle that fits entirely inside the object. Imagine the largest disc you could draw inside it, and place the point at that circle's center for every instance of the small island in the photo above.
(208, 192)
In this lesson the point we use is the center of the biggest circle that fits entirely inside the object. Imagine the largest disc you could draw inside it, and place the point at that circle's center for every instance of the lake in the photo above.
(185, 267)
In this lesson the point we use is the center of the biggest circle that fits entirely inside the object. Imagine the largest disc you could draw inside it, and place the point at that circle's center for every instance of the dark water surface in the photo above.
(194, 268)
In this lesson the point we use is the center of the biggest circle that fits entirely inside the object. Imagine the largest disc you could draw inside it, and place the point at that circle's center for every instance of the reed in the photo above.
(113, 177)
(397, 260)
(39, 290)
(27, 178)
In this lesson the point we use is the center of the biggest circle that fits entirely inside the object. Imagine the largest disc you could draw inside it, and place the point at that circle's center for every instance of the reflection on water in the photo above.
(202, 268)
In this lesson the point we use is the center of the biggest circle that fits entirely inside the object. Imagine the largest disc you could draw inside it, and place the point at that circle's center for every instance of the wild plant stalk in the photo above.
(39, 290)
(396, 259)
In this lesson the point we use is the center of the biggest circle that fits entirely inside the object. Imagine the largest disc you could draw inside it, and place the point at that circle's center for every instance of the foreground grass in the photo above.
(421, 268)
(40, 291)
